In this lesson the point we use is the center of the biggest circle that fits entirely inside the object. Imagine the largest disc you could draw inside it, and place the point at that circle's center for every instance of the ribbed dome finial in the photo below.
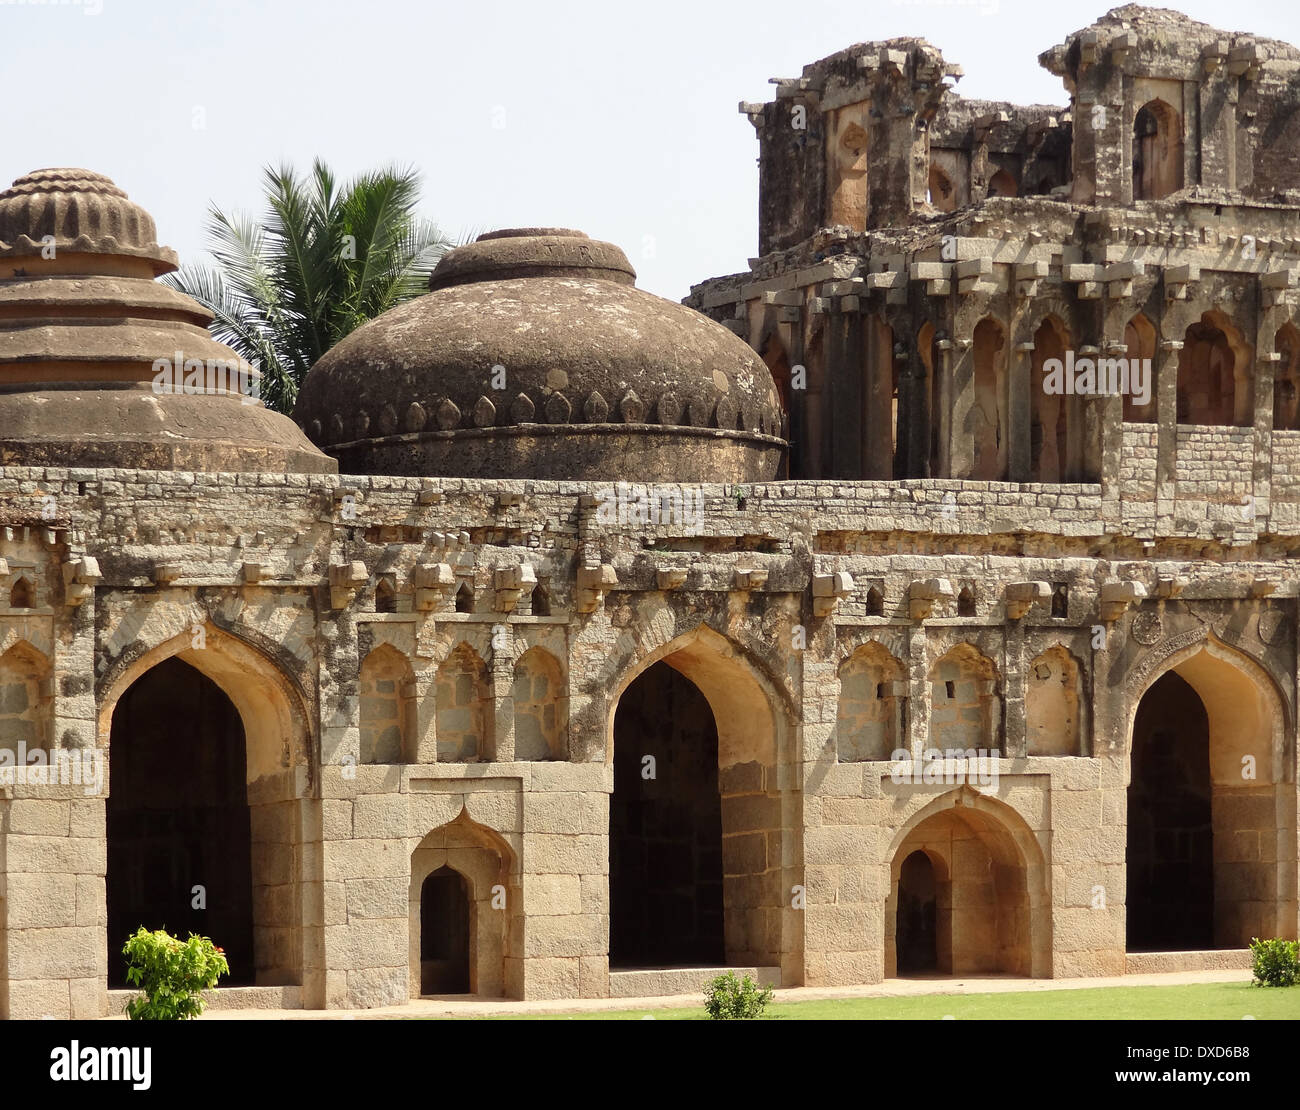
(77, 212)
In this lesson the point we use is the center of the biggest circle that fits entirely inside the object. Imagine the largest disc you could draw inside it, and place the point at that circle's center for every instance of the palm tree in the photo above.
(320, 263)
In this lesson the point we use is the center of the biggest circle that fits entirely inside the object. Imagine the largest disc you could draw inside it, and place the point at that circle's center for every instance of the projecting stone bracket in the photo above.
(1119, 278)
(1263, 587)
(1177, 279)
(1022, 596)
(1116, 597)
(923, 596)
(755, 578)
(936, 275)
(1029, 276)
(512, 583)
(1170, 587)
(1087, 277)
(593, 583)
(1275, 286)
(164, 574)
(79, 578)
(827, 589)
(975, 275)
(345, 580)
(671, 578)
(432, 582)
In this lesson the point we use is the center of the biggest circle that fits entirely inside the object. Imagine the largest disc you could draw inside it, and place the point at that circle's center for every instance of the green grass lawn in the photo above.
(1227, 1001)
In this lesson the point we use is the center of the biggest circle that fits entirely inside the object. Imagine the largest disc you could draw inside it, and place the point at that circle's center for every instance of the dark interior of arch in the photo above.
(444, 934)
(917, 929)
(665, 848)
(178, 818)
(1170, 880)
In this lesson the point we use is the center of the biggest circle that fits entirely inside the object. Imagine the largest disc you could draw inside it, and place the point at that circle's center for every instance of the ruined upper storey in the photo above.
(1160, 105)
(1163, 103)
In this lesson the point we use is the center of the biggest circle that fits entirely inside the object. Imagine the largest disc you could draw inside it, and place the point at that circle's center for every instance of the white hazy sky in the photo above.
(620, 120)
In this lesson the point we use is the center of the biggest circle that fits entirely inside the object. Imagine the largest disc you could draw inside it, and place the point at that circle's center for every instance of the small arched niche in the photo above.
(869, 721)
(1286, 379)
(1216, 382)
(540, 706)
(463, 695)
(22, 595)
(1003, 184)
(1140, 341)
(1053, 703)
(1157, 151)
(387, 707)
(964, 706)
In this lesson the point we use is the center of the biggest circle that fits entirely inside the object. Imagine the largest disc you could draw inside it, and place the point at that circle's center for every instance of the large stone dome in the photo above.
(534, 356)
(83, 326)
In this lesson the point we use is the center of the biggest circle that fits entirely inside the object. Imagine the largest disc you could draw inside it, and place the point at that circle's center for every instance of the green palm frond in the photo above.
(320, 262)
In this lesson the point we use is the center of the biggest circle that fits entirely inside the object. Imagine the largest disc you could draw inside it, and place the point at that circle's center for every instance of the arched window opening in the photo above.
(1157, 151)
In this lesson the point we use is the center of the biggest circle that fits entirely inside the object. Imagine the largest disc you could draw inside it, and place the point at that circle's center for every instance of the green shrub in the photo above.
(172, 973)
(1277, 962)
(728, 998)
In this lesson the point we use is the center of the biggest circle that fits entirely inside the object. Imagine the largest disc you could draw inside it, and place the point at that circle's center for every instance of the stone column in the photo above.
(1020, 410)
(1013, 700)
(844, 379)
(502, 679)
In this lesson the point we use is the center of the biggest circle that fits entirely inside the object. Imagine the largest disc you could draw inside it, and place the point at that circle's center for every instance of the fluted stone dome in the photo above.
(534, 355)
(82, 326)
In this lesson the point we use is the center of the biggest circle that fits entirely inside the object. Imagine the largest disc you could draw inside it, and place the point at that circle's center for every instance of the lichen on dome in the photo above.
(534, 355)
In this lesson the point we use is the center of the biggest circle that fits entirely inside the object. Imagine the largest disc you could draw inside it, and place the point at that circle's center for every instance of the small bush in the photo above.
(172, 973)
(728, 998)
(1277, 962)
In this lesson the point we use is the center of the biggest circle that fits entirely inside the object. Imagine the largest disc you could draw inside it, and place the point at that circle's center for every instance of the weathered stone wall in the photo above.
(761, 601)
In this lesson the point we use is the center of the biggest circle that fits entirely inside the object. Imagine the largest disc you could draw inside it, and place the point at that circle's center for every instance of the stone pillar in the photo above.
(502, 679)
(1266, 362)
(942, 467)
(1020, 409)
(879, 373)
(844, 378)
(1015, 745)
(1167, 433)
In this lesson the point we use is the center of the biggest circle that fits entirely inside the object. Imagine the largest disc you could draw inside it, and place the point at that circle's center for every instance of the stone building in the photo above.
(826, 638)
